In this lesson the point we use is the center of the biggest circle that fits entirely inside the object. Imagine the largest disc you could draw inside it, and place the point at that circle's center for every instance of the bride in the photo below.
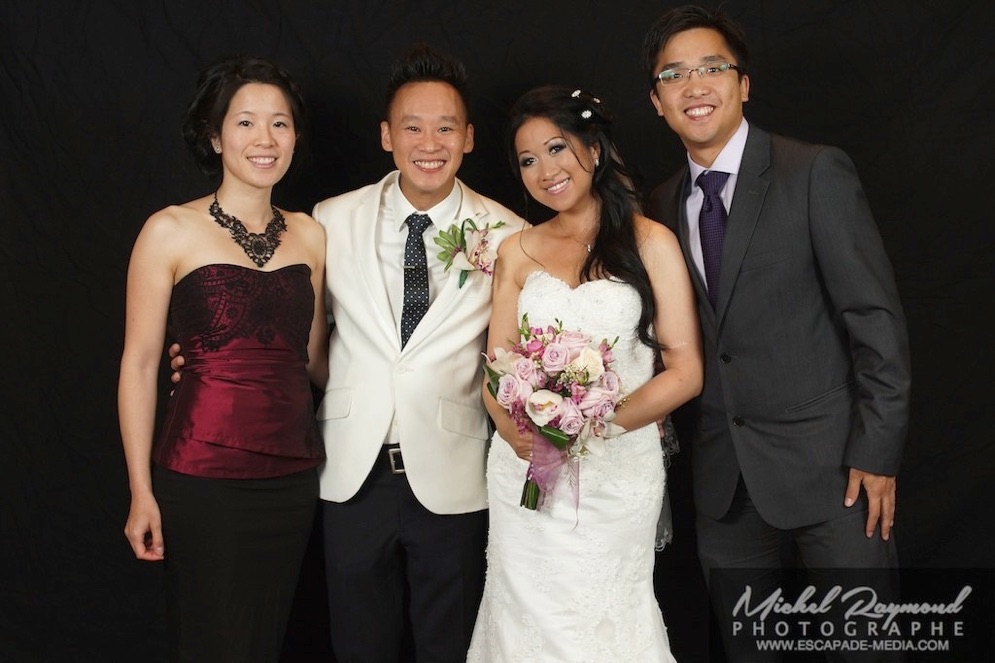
(574, 580)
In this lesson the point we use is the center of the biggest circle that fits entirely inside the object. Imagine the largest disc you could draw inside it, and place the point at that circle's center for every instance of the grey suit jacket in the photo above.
(806, 354)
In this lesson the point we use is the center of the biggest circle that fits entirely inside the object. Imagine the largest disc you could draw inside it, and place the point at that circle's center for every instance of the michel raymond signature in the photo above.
(860, 601)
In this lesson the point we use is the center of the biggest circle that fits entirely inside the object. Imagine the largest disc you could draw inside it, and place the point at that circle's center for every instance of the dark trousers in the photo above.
(234, 549)
(742, 549)
(389, 559)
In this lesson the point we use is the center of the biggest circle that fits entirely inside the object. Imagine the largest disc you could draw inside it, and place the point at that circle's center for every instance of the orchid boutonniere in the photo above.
(468, 248)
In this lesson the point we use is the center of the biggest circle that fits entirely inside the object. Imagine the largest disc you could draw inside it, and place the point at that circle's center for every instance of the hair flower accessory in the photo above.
(590, 103)
(468, 248)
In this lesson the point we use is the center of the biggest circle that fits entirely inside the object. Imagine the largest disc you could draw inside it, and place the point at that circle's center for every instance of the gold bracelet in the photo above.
(622, 402)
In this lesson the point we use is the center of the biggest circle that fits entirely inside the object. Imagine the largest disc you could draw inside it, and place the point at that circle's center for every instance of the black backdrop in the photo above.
(91, 98)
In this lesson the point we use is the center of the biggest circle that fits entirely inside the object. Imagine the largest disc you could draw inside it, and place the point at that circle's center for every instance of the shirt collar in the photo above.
(729, 158)
(442, 214)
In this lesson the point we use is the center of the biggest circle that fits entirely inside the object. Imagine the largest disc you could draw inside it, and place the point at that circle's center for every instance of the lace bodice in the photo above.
(602, 309)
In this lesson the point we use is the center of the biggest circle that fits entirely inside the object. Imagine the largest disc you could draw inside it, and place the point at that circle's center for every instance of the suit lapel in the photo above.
(366, 223)
(450, 293)
(751, 189)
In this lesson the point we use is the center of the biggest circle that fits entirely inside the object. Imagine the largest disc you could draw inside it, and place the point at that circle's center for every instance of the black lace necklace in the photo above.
(258, 246)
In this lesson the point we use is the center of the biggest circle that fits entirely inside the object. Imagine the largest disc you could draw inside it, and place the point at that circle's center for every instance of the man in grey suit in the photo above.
(799, 430)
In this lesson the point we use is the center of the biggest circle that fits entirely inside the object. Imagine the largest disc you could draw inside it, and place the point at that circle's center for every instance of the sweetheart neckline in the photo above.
(566, 285)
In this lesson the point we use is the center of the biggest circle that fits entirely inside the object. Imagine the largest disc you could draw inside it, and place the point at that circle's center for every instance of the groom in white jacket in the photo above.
(403, 489)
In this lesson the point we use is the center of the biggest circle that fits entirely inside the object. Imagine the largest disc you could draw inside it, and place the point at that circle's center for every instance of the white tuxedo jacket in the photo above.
(433, 384)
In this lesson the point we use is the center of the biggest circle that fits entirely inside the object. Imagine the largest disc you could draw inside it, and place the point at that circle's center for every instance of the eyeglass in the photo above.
(675, 76)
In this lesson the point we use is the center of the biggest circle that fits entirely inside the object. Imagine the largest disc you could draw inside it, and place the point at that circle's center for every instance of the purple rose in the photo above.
(555, 358)
(573, 341)
(610, 382)
(597, 403)
(525, 369)
(511, 389)
(571, 418)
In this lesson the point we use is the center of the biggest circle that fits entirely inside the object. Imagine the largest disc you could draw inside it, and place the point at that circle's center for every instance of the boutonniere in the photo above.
(468, 248)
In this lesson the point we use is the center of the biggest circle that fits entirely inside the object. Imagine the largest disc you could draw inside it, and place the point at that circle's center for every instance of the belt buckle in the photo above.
(396, 461)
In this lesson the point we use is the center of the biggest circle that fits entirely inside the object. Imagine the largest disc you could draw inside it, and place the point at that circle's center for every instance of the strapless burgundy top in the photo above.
(243, 408)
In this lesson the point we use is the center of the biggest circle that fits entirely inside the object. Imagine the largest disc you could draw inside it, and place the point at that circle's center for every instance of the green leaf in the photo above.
(493, 377)
(523, 329)
(556, 437)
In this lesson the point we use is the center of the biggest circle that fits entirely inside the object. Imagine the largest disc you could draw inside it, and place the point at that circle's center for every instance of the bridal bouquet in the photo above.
(561, 383)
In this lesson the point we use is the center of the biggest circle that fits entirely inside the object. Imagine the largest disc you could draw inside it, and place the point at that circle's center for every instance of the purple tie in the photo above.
(712, 227)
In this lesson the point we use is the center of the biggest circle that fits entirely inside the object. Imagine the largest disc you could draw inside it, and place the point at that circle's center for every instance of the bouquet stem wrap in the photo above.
(545, 469)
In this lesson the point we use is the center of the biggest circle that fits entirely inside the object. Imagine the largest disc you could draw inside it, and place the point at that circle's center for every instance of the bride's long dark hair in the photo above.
(615, 252)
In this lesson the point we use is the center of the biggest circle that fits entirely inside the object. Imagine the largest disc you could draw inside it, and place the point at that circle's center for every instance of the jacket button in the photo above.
(725, 357)
(738, 421)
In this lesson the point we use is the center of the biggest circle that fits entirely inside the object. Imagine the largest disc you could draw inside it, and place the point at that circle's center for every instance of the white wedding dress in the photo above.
(575, 584)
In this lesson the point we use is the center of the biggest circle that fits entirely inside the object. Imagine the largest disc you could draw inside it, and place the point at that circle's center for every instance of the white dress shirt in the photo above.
(392, 235)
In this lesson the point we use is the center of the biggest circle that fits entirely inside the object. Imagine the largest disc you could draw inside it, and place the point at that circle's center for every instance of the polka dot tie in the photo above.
(712, 226)
(415, 276)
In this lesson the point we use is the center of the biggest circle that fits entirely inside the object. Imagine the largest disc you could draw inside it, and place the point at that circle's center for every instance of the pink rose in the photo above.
(573, 341)
(511, 390)
(526, 370)
(571, 418)
(610, 382)
(597, 403)
(555, 358)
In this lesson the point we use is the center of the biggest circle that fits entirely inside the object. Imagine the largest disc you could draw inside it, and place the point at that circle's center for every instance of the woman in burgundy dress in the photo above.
(226, 493)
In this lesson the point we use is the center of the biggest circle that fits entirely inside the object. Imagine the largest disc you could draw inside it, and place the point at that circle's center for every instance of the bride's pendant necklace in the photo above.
(576, 241)
(258, 246)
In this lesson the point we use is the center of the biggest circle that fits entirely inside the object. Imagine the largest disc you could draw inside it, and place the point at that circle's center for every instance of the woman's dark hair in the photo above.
(615, 252)
(424, 64)
(689, 17)
(216, 87)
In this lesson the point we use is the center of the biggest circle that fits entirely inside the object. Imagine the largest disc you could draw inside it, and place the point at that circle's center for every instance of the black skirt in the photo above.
(233, 552)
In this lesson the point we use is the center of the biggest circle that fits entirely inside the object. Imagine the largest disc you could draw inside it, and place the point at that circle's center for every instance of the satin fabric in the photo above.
(243, 408)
